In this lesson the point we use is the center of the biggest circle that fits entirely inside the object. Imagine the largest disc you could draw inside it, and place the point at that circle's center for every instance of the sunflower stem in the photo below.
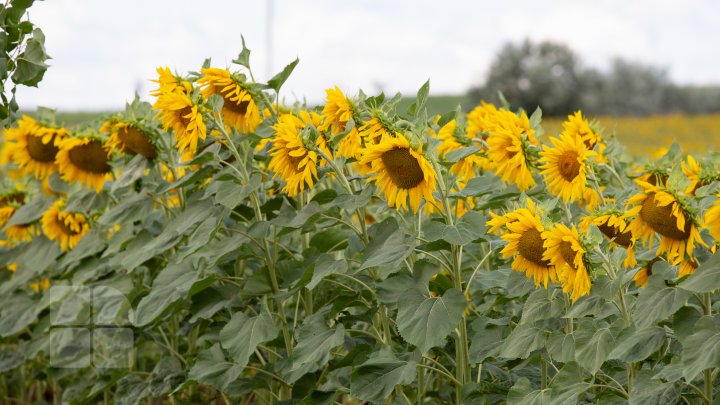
(708, 373)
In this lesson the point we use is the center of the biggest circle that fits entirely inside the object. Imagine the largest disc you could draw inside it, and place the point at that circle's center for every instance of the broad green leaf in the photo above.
(486, 280)
(522, 393)
(212, 369)
(131, 171)
(290, 218)
(167, 375)
(647, 391)
(658, 301)
(486, 338)
(541, 304)
(469, 227)
(241, 335)
(330, 240)
(633, 344)
(375, 379)
(592, 305)
(127, 211)
(701, 350)
(481, 185)
(388, 245)
(324, 266)
(421, 99)
(30, 212)
(171, 285)
(243, 58)
(568, 384)
(459, 154)
(315, 341)
(10, 359)
(592, 345)
(561, 346)
(230, 194)
(31, 64)
(130, 390)
(522, 341)
(16, 313)
(425, 322)
(279, 79)
(706, 277)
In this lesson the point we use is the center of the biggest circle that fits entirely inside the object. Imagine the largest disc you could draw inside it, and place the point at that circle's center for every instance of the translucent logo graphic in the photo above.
(90, 326)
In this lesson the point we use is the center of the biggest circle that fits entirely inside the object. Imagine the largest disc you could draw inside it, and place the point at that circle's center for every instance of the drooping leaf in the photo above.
(314, 342)
(701, 350)
(633, 344)
(212, 369)
(241, 335)
(376, 378)
(279, 79)
(426, 321)
(706, 277)
(592, 345)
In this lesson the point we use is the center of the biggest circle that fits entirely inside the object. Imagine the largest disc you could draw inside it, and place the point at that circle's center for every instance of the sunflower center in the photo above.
(185, 115)
(567, 253)
(621, 238)
(403, 168)
(240, 108)
(569, 166)
(530, 246)
(662, 220)
(18, 197)
(90, 157)
(137, 141)
(39, 151)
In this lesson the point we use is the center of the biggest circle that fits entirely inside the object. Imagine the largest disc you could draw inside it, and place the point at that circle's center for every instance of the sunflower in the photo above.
(565, 166)
(84, 160)
(524, 234)
(177, 111)
(291, 159)
(33, 147)
(464, 168)
(239, 110)
(14, 234)
(693, 171)
(129, 138)
(641, 277)
(169, 83)
(336, 113)
(40, 285)
(658, 210)
(508, 150)
(711, 221)
(67, 228)
(400, 172)
(614, 226)
(565, 250)
(480, 120)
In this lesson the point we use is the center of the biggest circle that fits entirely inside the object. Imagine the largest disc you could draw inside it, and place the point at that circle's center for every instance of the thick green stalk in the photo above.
(708, 373)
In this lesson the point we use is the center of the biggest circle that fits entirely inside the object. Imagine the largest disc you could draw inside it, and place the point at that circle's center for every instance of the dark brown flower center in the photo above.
(656, 178)
(90, 157)
(184, 115)
(234, 106)
(39, 151)
(621, 238)
(569, 166)
(567, 253)
(403, 168)
(662, 220)
(530, 246)
(18, 197)
(137, 141)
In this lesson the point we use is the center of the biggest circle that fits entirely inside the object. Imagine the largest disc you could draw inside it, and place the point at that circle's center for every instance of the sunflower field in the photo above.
(219, 246)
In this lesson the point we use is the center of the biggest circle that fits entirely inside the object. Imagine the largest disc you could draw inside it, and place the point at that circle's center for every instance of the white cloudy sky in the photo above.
(104, 50)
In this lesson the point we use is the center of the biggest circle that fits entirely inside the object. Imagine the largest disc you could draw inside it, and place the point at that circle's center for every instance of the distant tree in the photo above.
(545, 74)
(631, 89)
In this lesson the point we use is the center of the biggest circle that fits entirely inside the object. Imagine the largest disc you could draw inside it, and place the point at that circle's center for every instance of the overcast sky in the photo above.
(103, 51)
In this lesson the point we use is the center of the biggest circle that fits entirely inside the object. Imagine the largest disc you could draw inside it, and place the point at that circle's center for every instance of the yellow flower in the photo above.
(657, 210)
(613, 225)
(375, 130)
(239, 111)
(177, 111)
(524, 234)
(67, 228)
(84, 160)
(291, 159)
(337, 111)
(577, 125)
(507, 150)
(126, 137)
(480, 120)
(464, 168)
(169, 83)
(565, 166)
(711, 221)
(33, 147)
(41, 284)
(400, 172)
(565, 251)
(692, 171)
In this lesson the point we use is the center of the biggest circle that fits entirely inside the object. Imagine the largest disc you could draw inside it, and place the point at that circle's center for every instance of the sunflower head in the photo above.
(85, 160)
(337, 111)
(400, 172)
(641, 277)
(239, 110)
(33, 147)
(179, 112)
(565, 250)
(480, 120)
(508, 143)
(564, 166)
(577, 125)
(129, 138)
(170, 83)
(711, 221)
(66, 228)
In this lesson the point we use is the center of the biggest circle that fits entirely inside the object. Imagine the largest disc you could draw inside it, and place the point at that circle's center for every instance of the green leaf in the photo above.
(290, 218)
(31, 62)
(658, 301)
(212, 369)
(375, 379)
(230, 194)
(706, 277)
(425, 322)
(592, 345)
(167, 375)
(633, 344)
(244, 58)
(315, 342)
(701, 350)
(592, 305)
(647, 391)
(420, 100)
(568, 384)
(388, 245)
(478, 186)
(128, 210)
(522, 393)
(469, 227)
(459, 154)
(329, 240)
(277, 81)
(241, 335)
(10, 359)
(486, 338)
(130, 390)
(171, 285)
(541, 304)
(561, 346)
(30, 212)
(131, 171)
(522, 341)
(325, 266)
